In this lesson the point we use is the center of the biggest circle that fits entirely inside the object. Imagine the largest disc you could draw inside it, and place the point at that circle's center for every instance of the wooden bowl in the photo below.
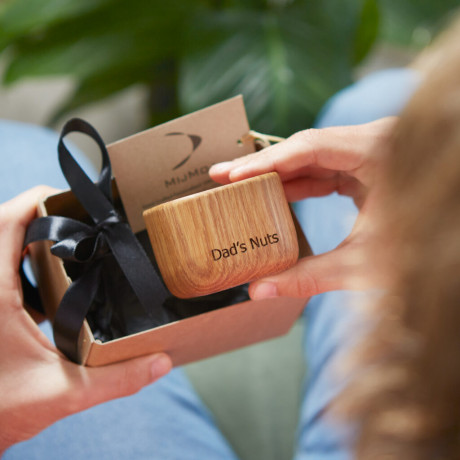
(223, 237)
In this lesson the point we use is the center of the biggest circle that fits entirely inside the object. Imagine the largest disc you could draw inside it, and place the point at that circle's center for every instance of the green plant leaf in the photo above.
(285, 64)
(20, 17)
(367, 30)
(106, 40)
(285, 56)
(106, 49)
(414, 23)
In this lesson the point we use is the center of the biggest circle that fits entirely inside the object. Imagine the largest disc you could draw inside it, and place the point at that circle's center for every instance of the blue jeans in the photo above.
(167, 420)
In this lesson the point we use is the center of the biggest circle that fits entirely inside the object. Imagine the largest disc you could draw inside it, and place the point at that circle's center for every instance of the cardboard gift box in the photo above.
(158, 165)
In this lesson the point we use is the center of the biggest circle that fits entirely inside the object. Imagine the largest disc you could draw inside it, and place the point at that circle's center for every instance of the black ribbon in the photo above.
(88, 244)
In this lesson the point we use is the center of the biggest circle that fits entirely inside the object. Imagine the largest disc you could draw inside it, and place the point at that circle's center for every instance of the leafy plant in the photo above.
(414, 22)
(285, 56)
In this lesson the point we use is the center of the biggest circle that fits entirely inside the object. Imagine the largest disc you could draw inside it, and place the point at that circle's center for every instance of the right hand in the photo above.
(317, 162)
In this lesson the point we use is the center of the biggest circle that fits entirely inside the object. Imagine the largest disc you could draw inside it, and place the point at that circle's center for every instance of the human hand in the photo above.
(38, 384)
(315, 163)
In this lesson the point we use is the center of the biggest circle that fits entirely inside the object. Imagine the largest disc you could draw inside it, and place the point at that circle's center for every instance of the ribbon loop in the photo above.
(81, 248)
(96, 198)
(87, 244)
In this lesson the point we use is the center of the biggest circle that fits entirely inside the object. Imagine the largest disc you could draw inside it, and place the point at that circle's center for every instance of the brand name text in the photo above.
(192, 174)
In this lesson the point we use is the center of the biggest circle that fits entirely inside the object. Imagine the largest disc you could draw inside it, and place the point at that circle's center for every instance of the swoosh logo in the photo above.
(195, 140)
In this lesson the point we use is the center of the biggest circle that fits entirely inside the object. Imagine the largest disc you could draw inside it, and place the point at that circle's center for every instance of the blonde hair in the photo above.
(406, 401)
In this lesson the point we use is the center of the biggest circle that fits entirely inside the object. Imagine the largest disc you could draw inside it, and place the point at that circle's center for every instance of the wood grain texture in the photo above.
(224, 237)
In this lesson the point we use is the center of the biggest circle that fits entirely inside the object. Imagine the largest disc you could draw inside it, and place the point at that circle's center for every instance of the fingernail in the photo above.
(160, 365)
(264, 291)
(220, 168)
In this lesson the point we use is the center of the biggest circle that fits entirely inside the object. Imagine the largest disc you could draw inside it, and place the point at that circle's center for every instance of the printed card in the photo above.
(173, 159)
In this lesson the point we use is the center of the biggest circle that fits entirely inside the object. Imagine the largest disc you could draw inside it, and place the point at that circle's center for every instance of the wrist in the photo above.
(5, 443)
(8, 435)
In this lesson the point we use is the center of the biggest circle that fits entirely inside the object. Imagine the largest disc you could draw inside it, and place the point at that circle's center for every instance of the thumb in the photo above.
(341, 268)
(122, 379)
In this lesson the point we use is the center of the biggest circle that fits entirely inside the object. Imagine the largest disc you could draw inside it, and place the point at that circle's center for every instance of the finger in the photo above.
(337, 148)
(342, 268)
(301, 188)
(118, 380)
(15, 216)
(253, 164)
(219, 172)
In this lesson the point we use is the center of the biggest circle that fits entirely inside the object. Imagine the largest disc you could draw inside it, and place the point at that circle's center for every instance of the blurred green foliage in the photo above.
(285, 56)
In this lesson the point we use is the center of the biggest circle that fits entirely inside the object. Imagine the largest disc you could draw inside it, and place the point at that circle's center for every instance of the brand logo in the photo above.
(196, 141)
(185, 176)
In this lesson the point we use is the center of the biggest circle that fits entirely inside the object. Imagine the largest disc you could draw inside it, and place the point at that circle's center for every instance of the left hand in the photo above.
(38, 385)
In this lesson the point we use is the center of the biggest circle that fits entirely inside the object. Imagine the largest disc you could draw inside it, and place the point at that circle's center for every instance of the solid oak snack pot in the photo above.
(223, 237)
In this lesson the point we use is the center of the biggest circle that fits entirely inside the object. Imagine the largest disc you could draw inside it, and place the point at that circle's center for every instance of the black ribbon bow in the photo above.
(88, 244)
